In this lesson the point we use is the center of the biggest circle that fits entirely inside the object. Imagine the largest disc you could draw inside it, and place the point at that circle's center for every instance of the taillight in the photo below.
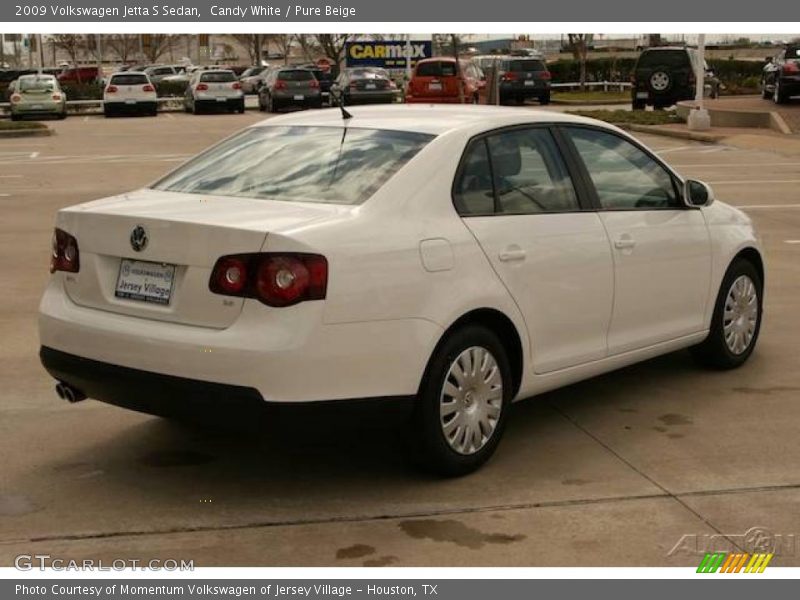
(112, 89)
(392, 85)
(236, 85)
(57, 97)
(65, 256)
(276, 279)
(201, 87)
(546, 75)
(314, 84)
(511, 76)
(791, 67)
(148, 88)
(280, 85)
(16, 98)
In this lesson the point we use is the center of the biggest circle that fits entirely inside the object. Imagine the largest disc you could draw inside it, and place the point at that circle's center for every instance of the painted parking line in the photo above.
(792, 241)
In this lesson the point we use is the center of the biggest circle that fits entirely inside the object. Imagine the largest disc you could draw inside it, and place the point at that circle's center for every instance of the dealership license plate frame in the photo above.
(145, 298)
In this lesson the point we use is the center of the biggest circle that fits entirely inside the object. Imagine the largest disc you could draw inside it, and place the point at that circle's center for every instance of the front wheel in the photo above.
(737, 318)
(462, 403)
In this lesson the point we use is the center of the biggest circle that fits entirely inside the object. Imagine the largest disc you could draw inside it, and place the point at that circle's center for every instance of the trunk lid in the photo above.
(186, 234)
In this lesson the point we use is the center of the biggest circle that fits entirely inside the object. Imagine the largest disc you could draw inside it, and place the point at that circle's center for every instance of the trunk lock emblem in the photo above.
(138, 238)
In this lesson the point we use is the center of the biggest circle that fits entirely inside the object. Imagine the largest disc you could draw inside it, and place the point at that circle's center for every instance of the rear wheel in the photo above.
(462, 403)
(737, 318)
(764, 91)
(544, 99)
(639, 104)
(240, 107)
(62, 115)
(779, 96)
(15, 117)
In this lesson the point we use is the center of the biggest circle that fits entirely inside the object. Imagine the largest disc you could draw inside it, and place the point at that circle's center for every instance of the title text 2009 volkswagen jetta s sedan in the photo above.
(456, 257)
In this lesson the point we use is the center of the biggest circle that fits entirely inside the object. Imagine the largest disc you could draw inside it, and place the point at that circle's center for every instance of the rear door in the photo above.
(661, 248)
(517, 196)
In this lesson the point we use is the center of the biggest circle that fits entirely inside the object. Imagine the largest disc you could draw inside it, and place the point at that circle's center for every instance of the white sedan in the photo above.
(455, 258)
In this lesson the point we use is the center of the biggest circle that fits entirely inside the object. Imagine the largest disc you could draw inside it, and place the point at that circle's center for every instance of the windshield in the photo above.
(664, 58)
(522, 66)
(130, 79)
(30, 84)
(217, 76)
(303, 164)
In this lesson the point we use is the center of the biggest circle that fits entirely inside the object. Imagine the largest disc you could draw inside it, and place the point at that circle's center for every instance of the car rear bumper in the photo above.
(531, 91)
(287, 355)
(367, 97)
(791, 85)
(435, 99)
(45, 108)
(132, 105)
(231, 102)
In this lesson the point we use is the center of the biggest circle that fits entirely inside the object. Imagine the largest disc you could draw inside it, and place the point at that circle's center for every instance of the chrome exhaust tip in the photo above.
(69, 393)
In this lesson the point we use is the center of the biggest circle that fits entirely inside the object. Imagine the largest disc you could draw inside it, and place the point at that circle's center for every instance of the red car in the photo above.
(437, 80)
(80, 75)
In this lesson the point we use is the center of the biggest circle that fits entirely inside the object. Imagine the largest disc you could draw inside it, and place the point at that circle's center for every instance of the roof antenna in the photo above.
(338, 97)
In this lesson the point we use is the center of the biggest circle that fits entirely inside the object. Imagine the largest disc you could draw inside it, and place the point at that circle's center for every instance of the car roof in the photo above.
(212, 71)
(128, 73)
(434, 119)
(37, 76)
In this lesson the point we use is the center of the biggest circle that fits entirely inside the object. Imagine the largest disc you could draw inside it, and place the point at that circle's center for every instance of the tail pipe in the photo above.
(69, 393)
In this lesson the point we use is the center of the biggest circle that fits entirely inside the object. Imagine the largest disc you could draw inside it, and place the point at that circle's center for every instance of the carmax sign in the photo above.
(387, 54)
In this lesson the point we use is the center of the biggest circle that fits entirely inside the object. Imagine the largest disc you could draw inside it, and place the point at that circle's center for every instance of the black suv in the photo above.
(664, 76)
(522, 78)
(781, 77)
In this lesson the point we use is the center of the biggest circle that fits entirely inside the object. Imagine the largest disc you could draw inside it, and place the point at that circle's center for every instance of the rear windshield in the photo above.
(300, 164)
(521, 66)
(436, 69)
(129, 79)
(664, 58)
(793, 52)
(30, 84)
(368, 74)
(218, 77)
(296, 75)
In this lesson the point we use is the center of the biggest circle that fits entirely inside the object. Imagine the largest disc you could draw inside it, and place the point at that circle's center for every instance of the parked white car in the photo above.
(130, 92)
(213, 89)
(457, 258)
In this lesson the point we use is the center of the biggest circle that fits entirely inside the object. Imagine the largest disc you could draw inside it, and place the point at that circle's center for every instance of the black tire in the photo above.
(429, 446)
(271, 107)
(62, 116)
(107, 113)
(240, 108)
(764, 91)
(544, 99)
(520, 100)
(639, 104)
(779, 96)
(714, 351)
(15, 117)
(195, 109)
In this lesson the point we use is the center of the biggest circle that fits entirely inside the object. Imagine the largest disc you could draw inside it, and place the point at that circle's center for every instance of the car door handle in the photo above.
(623, 242)
(511, 254)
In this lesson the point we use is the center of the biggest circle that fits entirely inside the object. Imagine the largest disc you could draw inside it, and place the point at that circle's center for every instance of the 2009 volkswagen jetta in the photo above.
(456, 257)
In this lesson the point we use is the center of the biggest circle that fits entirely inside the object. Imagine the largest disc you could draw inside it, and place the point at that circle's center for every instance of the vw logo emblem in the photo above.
(138, 238)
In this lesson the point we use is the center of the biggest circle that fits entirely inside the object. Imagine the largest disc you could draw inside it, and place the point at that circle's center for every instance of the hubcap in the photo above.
(471, 400)
(741, 314)
(659, 81)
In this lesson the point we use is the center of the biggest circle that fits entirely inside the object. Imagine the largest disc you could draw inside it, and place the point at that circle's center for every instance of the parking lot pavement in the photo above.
(612, 471)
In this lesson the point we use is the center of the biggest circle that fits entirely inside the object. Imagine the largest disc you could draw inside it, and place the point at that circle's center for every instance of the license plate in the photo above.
(641, 94)
(529, 83)
(370, 86)
(299, 97)
(145, 281)
(436, 87)
(221, 99)
(130, 101)
(37, 106)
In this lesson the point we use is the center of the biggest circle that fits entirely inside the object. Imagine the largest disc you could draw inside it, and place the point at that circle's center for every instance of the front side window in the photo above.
(519, 171)
(624, 176)
(299, 164)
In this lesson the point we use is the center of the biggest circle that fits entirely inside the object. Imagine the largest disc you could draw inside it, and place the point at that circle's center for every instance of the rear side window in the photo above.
(523, 66)
(298, 75)
(217, 77)
(624, 176)
(664, 58)
(130, 79)
(514, 172)
(436, 69)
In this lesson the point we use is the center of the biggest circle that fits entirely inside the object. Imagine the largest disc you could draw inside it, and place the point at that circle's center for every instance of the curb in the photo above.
(737, 117)
(589, 102)
(21, 133)
(695, 136)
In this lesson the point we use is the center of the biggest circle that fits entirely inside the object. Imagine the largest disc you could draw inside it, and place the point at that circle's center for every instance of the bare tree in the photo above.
(308, 44)
(253, 43)
(284, 43)
(155, 45)
(332, 46)
(71, 43)
(123, 45)
(579, 44)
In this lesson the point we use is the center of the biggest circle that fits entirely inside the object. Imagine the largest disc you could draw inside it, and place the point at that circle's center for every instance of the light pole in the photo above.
(699, 119)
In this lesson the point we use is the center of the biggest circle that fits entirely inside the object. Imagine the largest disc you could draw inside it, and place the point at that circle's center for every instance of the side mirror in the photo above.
(697, 193)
